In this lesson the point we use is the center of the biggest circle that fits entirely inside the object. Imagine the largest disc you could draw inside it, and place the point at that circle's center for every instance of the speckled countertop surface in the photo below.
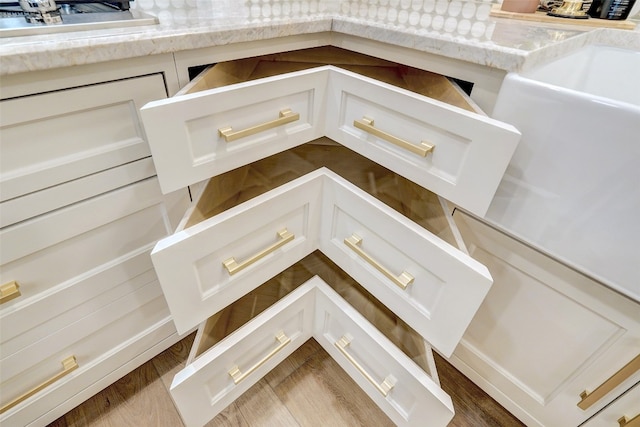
(460, 29)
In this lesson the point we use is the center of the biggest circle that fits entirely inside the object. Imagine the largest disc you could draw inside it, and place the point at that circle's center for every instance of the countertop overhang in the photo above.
(455, 29)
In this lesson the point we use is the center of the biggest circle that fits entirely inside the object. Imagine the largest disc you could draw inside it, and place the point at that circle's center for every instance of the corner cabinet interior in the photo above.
(554, 346)
(80, 211)
(323, 154)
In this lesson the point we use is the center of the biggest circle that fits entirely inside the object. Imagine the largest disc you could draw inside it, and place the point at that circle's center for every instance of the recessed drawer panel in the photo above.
(431, 285)
(382, 110)
(206, 267)
(86, 340)
(197, 136)
(414, 266)
(218, 373)
(455, 153)
(398, 386)
(61, 146)
(74, 300)
(221, 374)
(37, 254)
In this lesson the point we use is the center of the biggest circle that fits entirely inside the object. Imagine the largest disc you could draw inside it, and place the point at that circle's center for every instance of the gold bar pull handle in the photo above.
(626, 422)
(388, 382)
(68, 365)
(403, 280)
(239, 376)
(285, 116)
(587, 399)
(9, 291)
(232, 266)
(367, 125)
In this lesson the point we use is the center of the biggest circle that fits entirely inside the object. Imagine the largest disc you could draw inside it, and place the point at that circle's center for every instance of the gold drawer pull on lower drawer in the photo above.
(239, 376)
(68, 365)
(587, 399)
(232, 266)
(285, 116)
(403, 280)
(367, 125)
(9, 291)
(625, 422)
(388, 382)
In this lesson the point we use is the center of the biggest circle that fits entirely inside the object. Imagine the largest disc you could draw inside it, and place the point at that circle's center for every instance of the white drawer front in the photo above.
(184, 132)
(448, 286)
(52, 249)
(321, 210)
(190, 264)
(76, 299)
(206, 386)
(60, 148)
(470, 151)
(397, 385)
(87, 339)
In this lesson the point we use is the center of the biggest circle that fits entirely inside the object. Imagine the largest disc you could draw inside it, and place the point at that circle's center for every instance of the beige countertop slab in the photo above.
(458, 29)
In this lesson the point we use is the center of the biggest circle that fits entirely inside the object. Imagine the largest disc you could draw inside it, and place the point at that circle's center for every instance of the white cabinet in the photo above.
(208, 129)
(545, 333)
(273, 199)
(81, 209)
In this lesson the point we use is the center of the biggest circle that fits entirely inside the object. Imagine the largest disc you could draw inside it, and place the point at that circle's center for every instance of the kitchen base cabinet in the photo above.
(545, 333)
(80, 210)
(330, 150)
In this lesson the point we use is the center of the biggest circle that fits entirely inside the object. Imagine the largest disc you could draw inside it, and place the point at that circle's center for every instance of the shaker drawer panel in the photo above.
(398, 386)
(87, 339)
(60, 147)
(74, 300)
(209, 265)
(259, 118)
(221, 374)
(455, 153)
(430, 284)
(37, 253)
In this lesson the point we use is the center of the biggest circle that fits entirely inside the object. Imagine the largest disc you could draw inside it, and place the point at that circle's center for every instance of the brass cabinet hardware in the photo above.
(403, 280)
(9, 291)
(232, 266)
(68, 365)
(388, 382)
(239, 376)
(626, 422)
(367, 125)
(588, 399)
(285, 116)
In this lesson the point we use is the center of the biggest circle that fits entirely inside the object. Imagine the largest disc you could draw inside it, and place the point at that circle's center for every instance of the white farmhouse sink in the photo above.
(573, 186)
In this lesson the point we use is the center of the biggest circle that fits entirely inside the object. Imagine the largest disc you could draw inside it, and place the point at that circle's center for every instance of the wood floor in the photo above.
(307, 389)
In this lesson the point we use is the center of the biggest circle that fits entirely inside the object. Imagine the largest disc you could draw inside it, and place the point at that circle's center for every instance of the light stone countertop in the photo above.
(459, 29)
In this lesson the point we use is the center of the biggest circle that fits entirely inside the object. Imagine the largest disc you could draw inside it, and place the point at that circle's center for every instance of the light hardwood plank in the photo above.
(320, 393)
(292, 363)
(172, 360)
(260, 406)
(474, 408)
(229, 417)
(137, 399)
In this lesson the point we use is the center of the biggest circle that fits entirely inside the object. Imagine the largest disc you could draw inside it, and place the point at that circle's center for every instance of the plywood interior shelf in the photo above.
(542, 17)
